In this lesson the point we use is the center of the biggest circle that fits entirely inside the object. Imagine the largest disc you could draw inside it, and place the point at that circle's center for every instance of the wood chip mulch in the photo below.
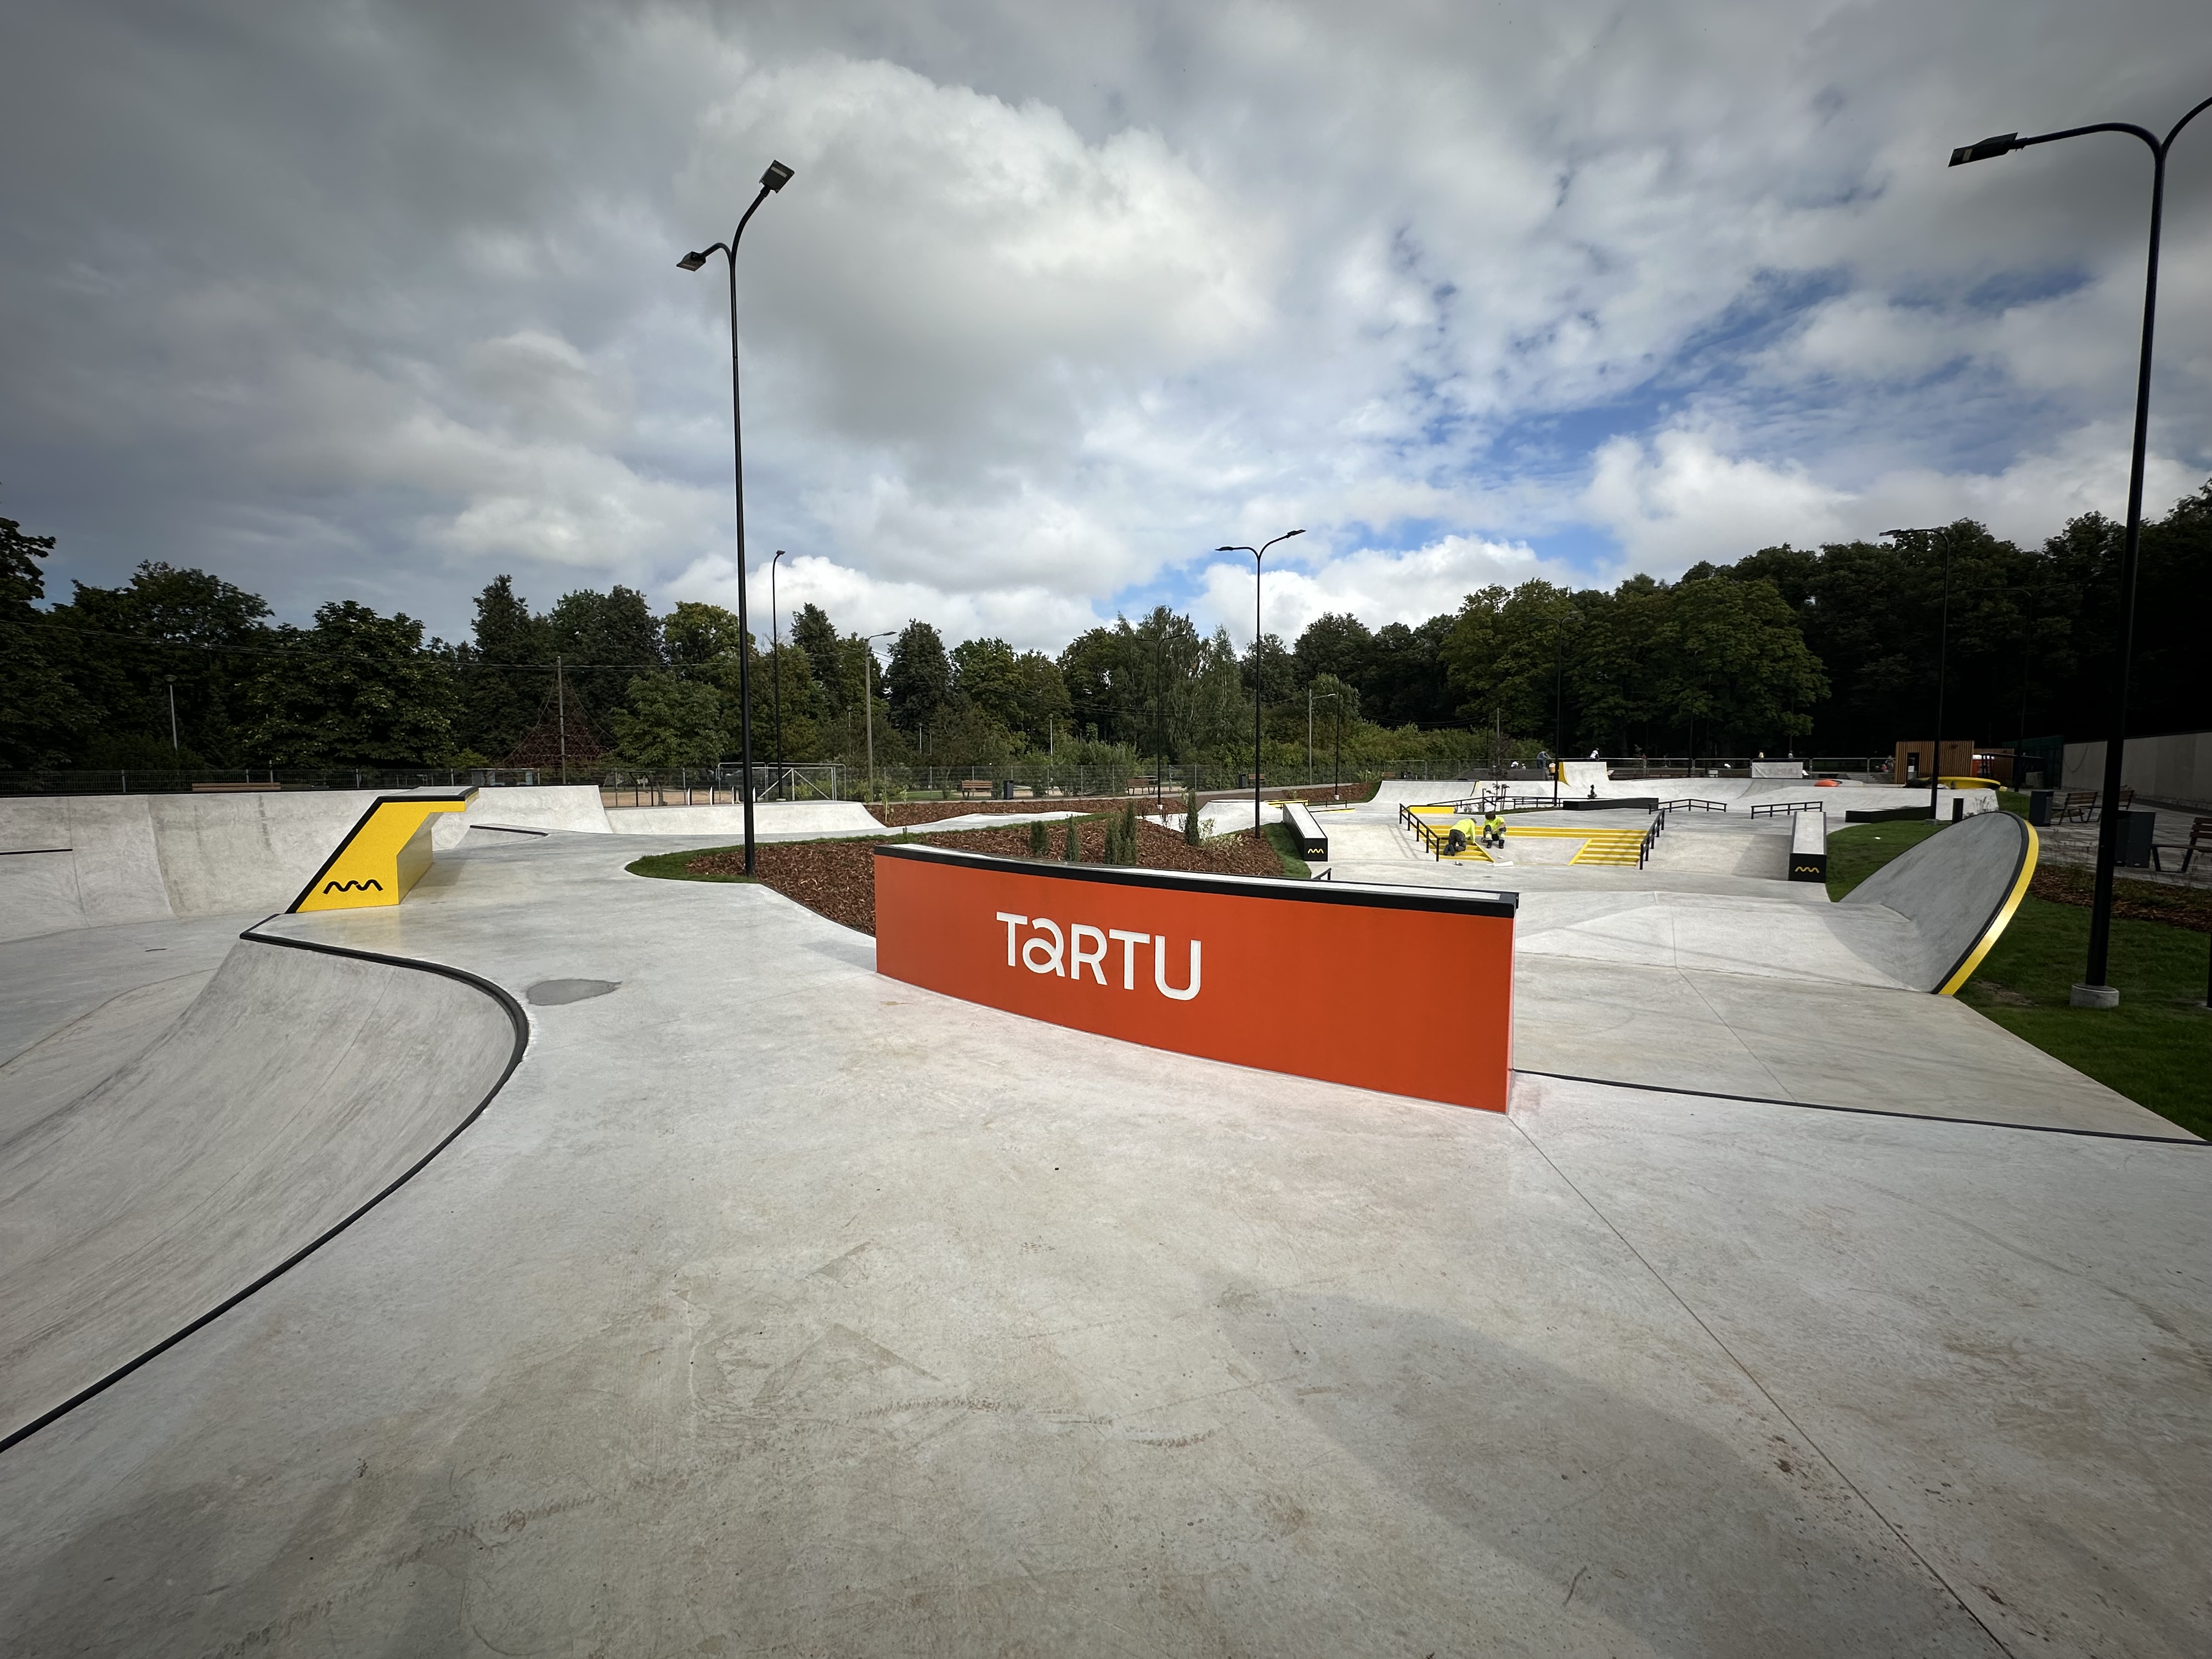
(837, 878)
(2143, 901)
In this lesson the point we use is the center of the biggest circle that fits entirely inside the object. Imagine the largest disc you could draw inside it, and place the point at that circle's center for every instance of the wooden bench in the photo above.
(974, 789)
(2079, 807)
(2200, 841)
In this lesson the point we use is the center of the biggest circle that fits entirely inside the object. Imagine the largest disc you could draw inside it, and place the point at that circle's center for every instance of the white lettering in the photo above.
(1129, 944)
(1012, 922)
(1039, 956)
(1160, 970)
(1079, 958)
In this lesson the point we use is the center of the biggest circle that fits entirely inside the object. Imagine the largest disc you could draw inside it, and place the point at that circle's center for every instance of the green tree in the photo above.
(919, 679)
(356, 690)
(669, 723)
(830, 661)
(166, 629)
(42, 716)
(1338, 644)
(1095, 674)
(501, 694)
(1270, 667)
(986, 676)
(1739, 664)
(605, 641)
(1041, 698)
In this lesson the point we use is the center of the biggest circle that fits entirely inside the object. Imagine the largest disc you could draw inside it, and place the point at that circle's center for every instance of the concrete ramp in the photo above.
(573, 806)
(1959, 888)
(1395, 793)
(296, 1088)
(1582, 775)
(770, 818)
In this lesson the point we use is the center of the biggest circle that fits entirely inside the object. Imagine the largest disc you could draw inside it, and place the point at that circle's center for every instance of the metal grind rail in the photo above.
(1776, 808)
(1687, 805)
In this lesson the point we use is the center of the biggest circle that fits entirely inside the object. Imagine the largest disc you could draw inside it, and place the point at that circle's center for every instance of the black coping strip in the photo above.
(516, 1017)
(2182, 1139)
(1184, 881)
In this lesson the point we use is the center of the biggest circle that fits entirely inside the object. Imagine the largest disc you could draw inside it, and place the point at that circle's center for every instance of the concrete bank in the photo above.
(291, 1088)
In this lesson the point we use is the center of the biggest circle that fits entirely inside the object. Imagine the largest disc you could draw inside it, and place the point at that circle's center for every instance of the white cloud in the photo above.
(1376, 585)
(1679, 499)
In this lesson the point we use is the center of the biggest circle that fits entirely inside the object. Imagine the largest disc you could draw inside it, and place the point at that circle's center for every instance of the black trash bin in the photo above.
(2039, 807)
(2137, 831)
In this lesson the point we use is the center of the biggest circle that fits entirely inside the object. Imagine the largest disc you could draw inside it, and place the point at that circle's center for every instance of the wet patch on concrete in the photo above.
(552, 993)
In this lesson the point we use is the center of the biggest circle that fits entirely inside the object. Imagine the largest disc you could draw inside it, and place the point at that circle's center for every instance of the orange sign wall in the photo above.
(1409, 991)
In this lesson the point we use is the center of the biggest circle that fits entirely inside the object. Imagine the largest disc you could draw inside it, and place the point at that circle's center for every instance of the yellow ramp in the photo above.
(384, 854)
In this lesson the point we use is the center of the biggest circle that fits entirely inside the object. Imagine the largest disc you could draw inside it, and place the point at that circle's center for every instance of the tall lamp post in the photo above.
(1259, 554)
(2093, 991)
(776, 659)
(774, 180)
(1942, 664)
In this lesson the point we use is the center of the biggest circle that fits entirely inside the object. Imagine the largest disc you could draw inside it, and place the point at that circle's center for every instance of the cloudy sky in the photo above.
(378, 300)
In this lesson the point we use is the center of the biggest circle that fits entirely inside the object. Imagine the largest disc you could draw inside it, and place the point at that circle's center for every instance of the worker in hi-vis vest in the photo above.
(1494, 828)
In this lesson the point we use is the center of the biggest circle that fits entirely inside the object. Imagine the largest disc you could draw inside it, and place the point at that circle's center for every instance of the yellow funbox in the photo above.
(384, 854)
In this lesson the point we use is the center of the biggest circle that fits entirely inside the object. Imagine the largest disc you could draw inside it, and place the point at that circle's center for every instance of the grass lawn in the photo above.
(670, 867)
(2155, 1048)
(1286, 849)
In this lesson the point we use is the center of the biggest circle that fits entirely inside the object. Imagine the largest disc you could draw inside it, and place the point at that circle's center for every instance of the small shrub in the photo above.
(1192, 833)
(1040, 844)
(1073, 853)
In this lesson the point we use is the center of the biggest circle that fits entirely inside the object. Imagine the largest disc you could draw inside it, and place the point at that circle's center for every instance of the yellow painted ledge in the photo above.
(1999, 921)
(384, 854)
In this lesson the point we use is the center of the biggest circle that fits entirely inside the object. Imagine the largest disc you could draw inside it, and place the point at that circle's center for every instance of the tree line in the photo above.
(1830, 650)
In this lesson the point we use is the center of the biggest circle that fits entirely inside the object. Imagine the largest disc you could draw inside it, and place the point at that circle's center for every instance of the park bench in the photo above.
(974, 789)
(2079, 807)
(2200, 841)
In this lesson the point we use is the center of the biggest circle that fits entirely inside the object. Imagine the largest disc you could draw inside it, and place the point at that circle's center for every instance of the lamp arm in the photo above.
(738, 234)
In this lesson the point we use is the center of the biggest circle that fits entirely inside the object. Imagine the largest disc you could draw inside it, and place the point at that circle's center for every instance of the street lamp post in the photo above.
(774, 180)
(1259, 554)
(2093, 991)
(776, 659)
(171, 681)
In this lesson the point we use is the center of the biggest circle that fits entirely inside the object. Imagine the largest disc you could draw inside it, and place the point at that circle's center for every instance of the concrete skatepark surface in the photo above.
(773, 1307)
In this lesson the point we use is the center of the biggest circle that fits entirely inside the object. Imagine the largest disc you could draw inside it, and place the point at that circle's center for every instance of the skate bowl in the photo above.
(299, 1087)
(1959, 888)
(70, 861)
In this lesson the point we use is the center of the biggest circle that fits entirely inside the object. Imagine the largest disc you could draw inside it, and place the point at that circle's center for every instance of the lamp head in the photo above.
(1230, 549)
(777, 177)
(1287, 534)
(691, 262)
(2002, 145)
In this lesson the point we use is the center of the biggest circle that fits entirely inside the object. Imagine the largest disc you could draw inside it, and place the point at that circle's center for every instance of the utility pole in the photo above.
(171, 680)
(560, 714)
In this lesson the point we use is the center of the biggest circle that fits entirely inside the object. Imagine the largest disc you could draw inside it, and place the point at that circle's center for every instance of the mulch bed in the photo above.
(2143, 901)
(837, 878)
(898, 813)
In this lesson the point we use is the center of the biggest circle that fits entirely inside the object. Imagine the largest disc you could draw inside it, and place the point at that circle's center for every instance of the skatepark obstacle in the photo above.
(385, 854)
(1072, 945)
(1959, 889)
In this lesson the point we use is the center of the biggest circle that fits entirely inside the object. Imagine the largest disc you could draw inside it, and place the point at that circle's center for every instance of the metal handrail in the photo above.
(1688, 806)
(1769, 809)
